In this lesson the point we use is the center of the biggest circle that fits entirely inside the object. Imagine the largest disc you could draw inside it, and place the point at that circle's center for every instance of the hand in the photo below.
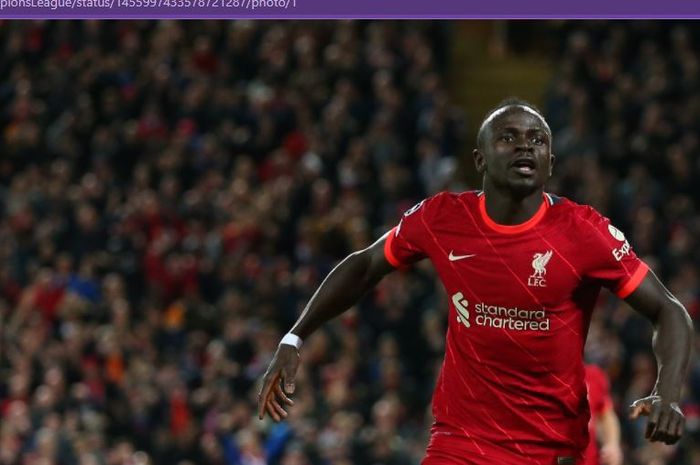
(281, 371)
(666, 421)
(611, 454)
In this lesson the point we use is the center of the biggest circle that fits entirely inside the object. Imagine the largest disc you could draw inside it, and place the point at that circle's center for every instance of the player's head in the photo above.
(514, 148)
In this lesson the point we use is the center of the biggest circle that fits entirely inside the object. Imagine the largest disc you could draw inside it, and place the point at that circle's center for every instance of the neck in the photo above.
(508, 209)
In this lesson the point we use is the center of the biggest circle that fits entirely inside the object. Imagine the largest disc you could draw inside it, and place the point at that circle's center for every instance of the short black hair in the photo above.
(509, 102)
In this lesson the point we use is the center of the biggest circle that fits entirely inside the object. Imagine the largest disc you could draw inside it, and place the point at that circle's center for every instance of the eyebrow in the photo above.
(515, 129)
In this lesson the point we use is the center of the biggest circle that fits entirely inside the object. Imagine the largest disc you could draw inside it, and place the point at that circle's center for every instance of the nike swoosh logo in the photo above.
(454, 257)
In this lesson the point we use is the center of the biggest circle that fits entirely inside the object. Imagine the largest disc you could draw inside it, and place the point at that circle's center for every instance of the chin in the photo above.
(525, 187)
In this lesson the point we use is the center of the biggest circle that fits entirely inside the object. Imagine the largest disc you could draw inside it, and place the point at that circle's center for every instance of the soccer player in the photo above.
(522, 269)
(604, 424)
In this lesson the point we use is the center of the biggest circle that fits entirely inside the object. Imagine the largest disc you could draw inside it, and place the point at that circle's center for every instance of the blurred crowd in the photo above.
(172, 193)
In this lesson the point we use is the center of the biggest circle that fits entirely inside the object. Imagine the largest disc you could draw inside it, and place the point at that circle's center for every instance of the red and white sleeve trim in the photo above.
(631, 285)
(388, 252)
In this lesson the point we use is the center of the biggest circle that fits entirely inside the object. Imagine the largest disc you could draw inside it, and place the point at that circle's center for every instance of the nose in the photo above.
(524, 144)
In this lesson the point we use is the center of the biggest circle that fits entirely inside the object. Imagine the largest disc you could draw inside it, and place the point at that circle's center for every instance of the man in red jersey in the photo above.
(522, 269)
(604, 426)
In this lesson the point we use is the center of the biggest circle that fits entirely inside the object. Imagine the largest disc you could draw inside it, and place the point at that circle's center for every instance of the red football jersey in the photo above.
(511, 389)
(600, 402)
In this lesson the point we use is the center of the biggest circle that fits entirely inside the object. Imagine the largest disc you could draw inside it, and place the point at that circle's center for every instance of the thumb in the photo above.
(289, 370)
(640, 407)
(635, 410)
(289, 383)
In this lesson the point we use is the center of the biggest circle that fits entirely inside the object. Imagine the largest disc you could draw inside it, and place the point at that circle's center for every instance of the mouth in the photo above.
(524, 166)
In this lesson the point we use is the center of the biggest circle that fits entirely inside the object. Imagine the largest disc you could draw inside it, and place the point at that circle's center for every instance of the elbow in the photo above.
(677, 311)
(689, 324)
(685, 315)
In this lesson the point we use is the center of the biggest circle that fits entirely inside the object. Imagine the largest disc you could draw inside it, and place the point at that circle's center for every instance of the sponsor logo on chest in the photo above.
(500, 317)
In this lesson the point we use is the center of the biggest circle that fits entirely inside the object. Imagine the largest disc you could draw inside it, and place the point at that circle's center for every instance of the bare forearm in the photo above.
(342, 288)
(609, 428)
(672, 345)
(673, 330)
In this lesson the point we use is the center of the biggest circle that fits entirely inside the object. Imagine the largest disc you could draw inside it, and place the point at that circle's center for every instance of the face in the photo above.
(516, 152)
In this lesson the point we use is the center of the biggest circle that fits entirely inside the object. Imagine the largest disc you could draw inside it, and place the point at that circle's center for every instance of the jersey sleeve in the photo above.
(405, 243)
(598, 390)
(609, 256)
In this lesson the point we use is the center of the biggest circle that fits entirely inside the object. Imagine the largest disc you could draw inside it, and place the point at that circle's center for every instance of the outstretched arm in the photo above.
(342, 288)
(673, 330)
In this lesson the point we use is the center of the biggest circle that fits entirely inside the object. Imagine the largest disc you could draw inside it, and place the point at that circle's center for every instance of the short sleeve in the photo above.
(609, 256)
(598, 390)
(404, 243)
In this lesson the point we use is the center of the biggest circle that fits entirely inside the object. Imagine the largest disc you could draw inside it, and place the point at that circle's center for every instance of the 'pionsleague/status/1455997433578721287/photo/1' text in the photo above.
(224, 6)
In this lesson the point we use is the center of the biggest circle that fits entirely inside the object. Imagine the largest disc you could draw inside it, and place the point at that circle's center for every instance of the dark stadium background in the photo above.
(171, 193)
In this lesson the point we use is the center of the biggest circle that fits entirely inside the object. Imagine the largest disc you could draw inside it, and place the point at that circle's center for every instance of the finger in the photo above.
(271, 410)
(661, 432)
(653, 421)
(675, 427)
(280, 393)
(278, 408)
(268, 382)
(639, 407)
(261, 403)
(634, 412)
(665, 438)
(680, 427)
(673, 430)
(649, 430)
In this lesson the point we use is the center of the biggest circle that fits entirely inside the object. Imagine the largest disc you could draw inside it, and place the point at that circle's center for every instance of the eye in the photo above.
(507, 138)
(538, 140)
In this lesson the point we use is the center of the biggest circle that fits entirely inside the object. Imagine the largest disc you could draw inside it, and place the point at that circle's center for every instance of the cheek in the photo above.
(548, 166)
(499, 157)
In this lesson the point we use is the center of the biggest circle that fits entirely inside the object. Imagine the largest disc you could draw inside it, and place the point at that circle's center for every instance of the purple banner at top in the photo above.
(314, 9)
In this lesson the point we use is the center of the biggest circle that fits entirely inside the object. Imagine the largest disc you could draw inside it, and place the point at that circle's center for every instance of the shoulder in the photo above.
(595, 374)
(584, 225)
(443, 203)
(564, 205)
(446, 197)
(581, 215)
(598, 385)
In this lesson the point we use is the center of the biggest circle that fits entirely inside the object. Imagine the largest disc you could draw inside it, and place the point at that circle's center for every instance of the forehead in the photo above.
(516, 116)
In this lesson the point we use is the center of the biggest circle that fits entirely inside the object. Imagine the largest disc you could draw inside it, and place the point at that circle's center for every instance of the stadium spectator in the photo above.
(604, 426)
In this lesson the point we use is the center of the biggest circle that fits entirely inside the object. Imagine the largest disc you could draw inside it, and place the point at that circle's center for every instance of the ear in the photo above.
(551, 164)
(479, 161)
